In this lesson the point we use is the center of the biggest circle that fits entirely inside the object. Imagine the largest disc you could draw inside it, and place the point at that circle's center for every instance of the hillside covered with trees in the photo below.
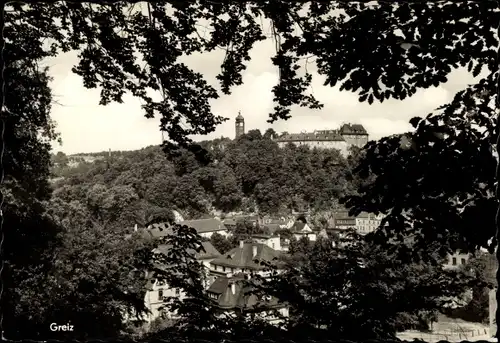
(250, 174)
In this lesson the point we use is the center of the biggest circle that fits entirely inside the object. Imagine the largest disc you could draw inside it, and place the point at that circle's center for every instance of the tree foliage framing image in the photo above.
(86, 242)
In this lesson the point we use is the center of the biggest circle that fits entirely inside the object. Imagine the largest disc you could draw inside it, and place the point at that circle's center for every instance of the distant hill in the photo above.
(247, 174)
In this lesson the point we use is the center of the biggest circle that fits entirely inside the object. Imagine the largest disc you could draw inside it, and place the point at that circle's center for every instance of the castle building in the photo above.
(348, 135)
(239, 125)
(354, 134)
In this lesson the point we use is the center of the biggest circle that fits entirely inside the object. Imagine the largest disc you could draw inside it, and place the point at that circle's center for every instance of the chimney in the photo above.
(254, 251)
(233, 288)
(242, 243)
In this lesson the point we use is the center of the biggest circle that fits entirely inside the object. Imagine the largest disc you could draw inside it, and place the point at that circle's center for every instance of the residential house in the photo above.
(344, 223)
(284, 244)
(243, 259)
(265, 220)
(301, 229)
(273, 224)
(367, 222)
(232, 295)
(456, 260)
(282, 222)
(204, 257)
(207, 227)
(158, 230)
(230, 292)
(272, 241)
(157, 290)
(279, 224)
(230, 222)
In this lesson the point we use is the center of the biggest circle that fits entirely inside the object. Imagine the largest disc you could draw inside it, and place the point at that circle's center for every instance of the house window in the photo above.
(223, 269)
(177, 291)
(454, 261)
(463, 261)
(160, 294)
(272, 245)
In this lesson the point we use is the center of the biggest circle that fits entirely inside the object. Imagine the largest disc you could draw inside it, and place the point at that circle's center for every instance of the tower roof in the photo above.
(355, 129)
(239, 117)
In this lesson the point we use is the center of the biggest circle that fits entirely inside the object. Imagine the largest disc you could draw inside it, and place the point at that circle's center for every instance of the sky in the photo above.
(85, 126)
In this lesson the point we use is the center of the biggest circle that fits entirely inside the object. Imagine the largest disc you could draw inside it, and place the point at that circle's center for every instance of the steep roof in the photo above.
(205, 225)
(159, 230)
(150, 280)
(240, 218)
(240, 298)
(229, 221)
(261, 235)
(367, 215)
(273, 227)
(242, 257)
(210, 251)
(352, 129)
(299, 227)
(331, 135)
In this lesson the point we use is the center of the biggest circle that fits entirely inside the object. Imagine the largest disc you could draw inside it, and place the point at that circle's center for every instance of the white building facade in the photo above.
(348, 135)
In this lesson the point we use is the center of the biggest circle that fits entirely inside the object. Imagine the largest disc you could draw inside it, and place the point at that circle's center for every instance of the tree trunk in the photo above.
(497, 236)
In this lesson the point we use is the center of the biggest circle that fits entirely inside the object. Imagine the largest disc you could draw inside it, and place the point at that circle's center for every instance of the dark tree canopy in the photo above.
(412, 45)
(433, 39)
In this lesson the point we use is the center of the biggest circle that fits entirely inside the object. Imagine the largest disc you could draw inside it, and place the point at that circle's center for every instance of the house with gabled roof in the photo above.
(207, 227)
(273, 240)
(244, 259)
(230, 222)
(368, 222)
(274, 224)
(301, 229)
(157, 290)
(159, 230)
(232, 294)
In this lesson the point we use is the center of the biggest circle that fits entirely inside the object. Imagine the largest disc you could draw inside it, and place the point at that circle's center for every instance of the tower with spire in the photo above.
(239, 125)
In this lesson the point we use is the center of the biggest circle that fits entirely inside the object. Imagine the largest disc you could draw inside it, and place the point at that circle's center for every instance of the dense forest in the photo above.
(249, 174)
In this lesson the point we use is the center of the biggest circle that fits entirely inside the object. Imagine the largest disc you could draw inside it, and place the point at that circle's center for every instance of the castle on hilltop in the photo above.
(341, 139)
(346, 136)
